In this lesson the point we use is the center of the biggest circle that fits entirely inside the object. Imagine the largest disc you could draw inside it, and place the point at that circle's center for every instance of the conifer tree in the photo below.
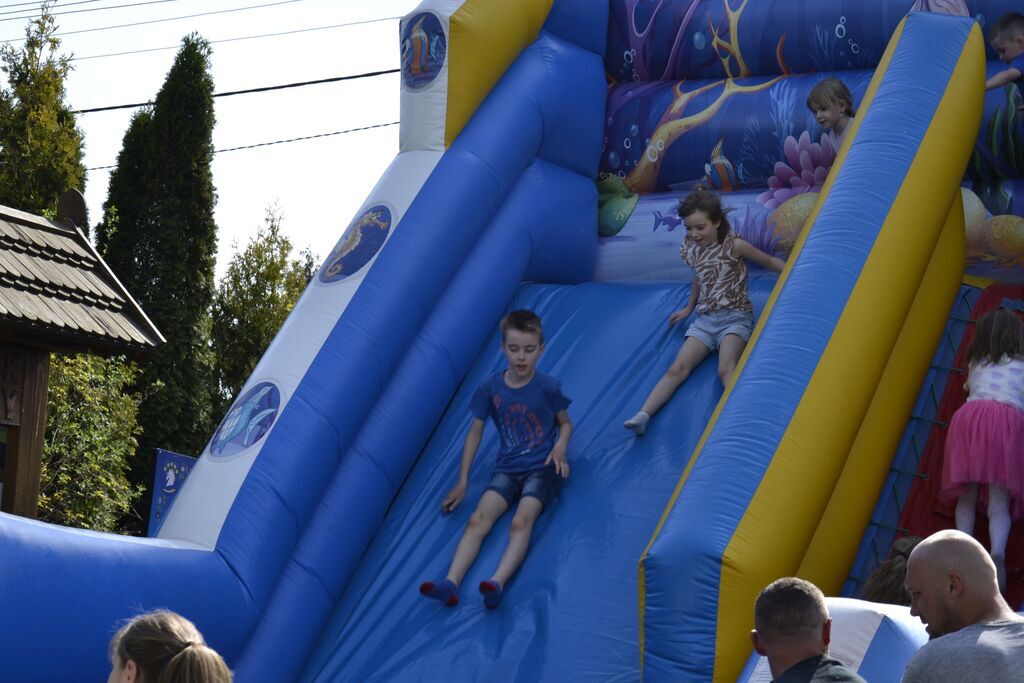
(160, 238)
(40, 145)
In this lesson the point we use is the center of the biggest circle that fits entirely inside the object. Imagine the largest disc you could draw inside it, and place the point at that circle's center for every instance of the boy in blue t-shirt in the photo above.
(1007, 38)
(529, 410)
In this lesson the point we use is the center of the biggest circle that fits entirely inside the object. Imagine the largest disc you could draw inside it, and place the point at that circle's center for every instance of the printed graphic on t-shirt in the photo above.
(521, 429)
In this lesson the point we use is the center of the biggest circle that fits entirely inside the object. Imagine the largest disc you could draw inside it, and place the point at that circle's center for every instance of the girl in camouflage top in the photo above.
(719, 295)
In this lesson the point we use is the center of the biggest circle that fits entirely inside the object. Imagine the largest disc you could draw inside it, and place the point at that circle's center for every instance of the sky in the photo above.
(317, 185)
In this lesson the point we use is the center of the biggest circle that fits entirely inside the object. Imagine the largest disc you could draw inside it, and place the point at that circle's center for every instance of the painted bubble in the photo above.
(613, 159)
(841, 28)
(248, 421)
(627, 56)
(424, 49)
(634, 130)
(627, 143)
(358, 244)
(699, 41)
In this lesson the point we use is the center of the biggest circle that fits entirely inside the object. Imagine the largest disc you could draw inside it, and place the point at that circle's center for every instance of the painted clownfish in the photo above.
(719, 172)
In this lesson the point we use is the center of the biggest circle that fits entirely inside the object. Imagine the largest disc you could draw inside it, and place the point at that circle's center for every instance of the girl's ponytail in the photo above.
(195, 663)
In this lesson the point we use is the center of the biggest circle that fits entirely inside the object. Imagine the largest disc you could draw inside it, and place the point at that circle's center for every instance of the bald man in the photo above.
(792, 629)
(975, 636)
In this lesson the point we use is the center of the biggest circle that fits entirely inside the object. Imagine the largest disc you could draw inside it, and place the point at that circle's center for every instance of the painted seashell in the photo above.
(1004, 236)
(788, 220)
(974, 219)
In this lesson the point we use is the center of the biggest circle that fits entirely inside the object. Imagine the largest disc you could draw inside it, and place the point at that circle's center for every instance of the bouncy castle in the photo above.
(544, 147)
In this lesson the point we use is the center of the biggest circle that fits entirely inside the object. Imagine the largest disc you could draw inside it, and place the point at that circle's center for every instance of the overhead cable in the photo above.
(267, 88)
(278, 142)
(236, 39)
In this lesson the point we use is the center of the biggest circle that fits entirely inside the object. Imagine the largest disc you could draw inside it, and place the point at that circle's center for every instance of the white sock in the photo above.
(966, 507)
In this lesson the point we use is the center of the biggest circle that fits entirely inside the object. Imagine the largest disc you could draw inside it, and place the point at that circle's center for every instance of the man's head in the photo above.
(952, 582)
(522, 342)
(1007, 36)
(791, 623)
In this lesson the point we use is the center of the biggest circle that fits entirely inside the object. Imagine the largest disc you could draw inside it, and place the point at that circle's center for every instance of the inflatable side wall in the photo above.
(833, 322)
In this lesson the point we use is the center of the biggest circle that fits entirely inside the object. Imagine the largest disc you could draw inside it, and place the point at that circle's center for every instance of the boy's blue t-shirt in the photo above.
(525, 418)
(1018, 64)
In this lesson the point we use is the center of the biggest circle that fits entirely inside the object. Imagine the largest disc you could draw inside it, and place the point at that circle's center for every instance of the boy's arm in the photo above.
(684, 313)
(748, 251)
(469, 448)
(557, 455)
(1002, 78)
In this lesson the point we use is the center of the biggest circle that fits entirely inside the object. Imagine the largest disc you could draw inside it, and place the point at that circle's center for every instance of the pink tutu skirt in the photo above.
(985, 444)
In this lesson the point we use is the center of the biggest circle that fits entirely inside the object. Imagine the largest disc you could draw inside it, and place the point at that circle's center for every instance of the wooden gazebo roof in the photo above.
(56, 292)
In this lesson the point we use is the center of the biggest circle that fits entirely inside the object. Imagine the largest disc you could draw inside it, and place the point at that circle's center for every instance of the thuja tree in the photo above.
(159, 237)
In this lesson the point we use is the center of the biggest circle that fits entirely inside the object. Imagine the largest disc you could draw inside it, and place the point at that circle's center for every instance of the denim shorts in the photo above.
(710, 328)
(542, 484)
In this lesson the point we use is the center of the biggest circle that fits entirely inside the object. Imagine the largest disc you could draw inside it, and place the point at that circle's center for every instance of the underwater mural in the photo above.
(719, 102)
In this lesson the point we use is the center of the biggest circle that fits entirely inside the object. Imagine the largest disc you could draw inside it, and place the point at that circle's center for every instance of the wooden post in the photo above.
(24, 377)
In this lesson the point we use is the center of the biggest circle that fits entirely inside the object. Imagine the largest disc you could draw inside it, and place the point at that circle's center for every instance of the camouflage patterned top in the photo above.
(722, 276)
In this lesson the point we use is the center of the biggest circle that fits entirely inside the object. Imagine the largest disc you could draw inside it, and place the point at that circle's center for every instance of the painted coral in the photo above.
(804, 170)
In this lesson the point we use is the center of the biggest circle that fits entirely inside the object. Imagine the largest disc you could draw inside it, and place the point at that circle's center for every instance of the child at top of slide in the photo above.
(832, 105)
(719, 294)
(1007, 38)
(529, 410)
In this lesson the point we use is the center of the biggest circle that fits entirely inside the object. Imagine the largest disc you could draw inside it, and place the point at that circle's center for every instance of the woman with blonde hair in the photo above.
(160, 647)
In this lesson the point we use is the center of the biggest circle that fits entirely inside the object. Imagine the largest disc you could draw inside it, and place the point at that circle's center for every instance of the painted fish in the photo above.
(238, 420)
(669, 220)
(720, 172)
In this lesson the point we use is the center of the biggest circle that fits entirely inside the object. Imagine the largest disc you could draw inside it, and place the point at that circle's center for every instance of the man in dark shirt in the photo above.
(792, 629)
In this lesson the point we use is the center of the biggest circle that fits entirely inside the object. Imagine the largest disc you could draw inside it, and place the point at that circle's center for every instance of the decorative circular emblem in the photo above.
(360, 243)
(423, 50)
(248, 421)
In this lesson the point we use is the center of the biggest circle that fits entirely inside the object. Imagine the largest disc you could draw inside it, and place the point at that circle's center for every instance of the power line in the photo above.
(36, 4)
(232, 40)
(267, 88)
(279, 142)
(160, 21)
(80, 11)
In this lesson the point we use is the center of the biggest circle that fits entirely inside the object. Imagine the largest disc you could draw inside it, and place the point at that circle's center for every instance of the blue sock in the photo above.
(445, 591)
(491, 590)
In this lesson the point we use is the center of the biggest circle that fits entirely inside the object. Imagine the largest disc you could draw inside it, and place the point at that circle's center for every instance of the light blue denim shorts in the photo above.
(710, 328)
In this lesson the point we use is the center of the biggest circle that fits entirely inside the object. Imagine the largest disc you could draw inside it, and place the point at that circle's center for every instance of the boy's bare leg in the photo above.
(488, 510)
(518, 539)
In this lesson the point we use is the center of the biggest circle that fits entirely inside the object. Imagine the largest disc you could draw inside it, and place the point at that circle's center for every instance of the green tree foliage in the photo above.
(159, 236)
(262, 284)
(40, 145)
(91, 432)
(91, 426)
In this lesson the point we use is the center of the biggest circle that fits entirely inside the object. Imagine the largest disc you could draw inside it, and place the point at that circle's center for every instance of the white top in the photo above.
(1002, 381)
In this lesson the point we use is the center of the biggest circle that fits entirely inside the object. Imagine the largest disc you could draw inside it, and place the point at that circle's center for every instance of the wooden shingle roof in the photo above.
(57, 293)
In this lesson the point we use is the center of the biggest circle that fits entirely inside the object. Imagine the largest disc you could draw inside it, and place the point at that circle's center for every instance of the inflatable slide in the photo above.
(544, 147)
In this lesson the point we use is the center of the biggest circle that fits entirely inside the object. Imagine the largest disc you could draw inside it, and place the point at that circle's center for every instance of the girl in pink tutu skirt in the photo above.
(985, 442)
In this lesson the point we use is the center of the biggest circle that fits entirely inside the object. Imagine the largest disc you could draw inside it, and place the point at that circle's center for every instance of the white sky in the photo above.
(318, 184)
